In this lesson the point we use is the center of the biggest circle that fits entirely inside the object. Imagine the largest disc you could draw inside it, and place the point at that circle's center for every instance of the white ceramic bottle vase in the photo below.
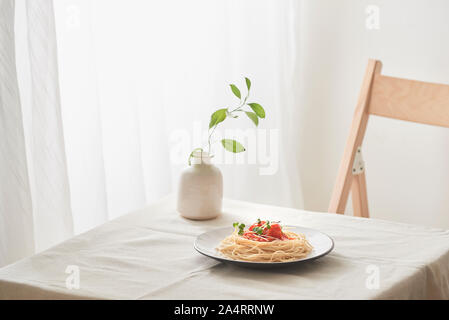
(200, 192)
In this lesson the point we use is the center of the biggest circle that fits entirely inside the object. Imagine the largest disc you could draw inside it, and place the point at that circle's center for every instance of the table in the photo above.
(149, 254)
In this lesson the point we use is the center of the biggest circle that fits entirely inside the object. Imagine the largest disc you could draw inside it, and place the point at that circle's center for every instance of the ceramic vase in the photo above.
(200, 191)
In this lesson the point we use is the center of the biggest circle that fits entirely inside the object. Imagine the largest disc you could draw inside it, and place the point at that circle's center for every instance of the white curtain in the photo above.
(35, 208)
(138, 81)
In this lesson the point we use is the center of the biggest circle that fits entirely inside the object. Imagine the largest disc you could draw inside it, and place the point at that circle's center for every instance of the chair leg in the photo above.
(354, 141)
(359, 196)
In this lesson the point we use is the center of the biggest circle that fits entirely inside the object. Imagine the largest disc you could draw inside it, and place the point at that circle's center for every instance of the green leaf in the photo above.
(236, 91)
(217, 117)
(248, 83)
(253, 117)
(257, 108)
(232, 145)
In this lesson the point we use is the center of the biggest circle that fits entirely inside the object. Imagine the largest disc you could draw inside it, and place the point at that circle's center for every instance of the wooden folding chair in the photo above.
(390, 97)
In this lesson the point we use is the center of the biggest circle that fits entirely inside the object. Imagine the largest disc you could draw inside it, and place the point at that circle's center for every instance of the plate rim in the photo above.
(224, 259)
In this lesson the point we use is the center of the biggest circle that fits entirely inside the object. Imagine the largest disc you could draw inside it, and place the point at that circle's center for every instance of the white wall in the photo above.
(407, 163)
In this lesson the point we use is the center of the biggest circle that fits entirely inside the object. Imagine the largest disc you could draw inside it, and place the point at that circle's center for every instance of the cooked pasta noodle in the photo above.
(238, 247)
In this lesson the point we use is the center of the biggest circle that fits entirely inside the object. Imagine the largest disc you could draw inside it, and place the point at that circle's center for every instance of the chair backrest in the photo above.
(396, 98)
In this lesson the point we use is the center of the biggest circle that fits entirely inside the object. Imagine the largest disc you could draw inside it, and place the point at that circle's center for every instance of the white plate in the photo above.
(207, 243)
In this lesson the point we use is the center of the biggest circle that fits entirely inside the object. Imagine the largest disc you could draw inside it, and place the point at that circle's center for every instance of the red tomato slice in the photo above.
(257, 224)
(268, 234)
(275, 231)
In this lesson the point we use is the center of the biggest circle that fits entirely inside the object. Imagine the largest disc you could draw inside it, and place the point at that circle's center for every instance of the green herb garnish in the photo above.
(240, 226)
(258, 230)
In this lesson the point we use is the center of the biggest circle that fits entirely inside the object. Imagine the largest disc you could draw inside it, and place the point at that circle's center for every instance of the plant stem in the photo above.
(208, 139)
(239, 108)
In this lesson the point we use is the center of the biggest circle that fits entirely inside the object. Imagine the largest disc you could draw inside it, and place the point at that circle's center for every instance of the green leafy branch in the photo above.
(252, 110)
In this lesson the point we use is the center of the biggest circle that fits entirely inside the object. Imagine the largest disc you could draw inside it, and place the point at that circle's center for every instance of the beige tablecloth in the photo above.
(149, 254)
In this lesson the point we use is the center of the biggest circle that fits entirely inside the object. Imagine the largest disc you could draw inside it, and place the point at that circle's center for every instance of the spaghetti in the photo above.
(264, 241)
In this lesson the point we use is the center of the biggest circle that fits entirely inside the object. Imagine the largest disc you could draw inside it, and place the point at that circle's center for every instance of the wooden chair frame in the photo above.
(396, 98)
